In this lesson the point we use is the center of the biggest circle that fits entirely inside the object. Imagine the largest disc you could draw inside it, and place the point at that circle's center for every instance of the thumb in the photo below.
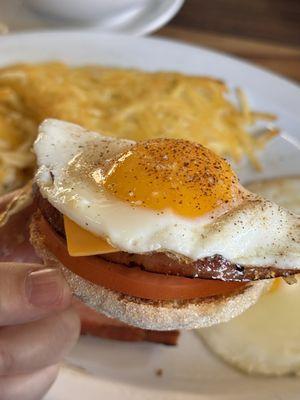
(29, 292)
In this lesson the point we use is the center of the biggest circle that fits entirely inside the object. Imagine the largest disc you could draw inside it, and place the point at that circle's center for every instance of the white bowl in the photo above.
(85, 10)
(109, 13)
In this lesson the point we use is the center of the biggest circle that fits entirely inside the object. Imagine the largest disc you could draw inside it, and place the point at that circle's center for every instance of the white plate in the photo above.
(141, 19)
(114, 370)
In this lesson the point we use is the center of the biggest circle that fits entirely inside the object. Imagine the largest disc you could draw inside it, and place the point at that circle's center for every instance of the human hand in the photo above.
(38, 325)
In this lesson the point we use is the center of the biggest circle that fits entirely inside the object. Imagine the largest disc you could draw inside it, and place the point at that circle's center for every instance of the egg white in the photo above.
(265, 338)
(253, 232)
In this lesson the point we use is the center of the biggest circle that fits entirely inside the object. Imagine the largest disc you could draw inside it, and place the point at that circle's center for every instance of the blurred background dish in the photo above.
(136, 17)
(85, 10)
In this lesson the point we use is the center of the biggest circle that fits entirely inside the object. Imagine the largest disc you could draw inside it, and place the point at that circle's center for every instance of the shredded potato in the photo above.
(123, 103)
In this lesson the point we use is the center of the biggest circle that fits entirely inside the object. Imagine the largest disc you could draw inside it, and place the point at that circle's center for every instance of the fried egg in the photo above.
(164, 195)
(266, 338)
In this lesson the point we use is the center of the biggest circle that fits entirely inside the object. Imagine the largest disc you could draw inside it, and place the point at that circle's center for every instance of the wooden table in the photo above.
(265, 32)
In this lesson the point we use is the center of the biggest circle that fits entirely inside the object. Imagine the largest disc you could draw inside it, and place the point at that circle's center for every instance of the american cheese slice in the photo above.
(80, 242)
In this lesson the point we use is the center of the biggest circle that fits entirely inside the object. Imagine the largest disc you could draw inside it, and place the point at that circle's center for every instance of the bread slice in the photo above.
(147, 314)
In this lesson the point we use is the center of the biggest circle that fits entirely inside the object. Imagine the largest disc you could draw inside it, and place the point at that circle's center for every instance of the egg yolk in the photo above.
(171, 174)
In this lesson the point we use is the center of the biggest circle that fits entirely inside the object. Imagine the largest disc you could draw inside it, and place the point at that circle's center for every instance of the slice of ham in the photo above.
(15, 246)
(93, 323)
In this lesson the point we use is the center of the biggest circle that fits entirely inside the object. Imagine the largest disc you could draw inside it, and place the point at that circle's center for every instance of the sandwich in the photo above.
(159, 234)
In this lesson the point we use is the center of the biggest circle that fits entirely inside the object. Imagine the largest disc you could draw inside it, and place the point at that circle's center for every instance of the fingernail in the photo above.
(44, 287)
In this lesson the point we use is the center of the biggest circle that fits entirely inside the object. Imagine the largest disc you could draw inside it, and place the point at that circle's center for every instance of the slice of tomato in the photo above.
(133, 281)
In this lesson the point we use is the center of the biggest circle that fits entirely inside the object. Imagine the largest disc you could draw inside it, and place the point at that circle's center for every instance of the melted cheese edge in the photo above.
(80, 242)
